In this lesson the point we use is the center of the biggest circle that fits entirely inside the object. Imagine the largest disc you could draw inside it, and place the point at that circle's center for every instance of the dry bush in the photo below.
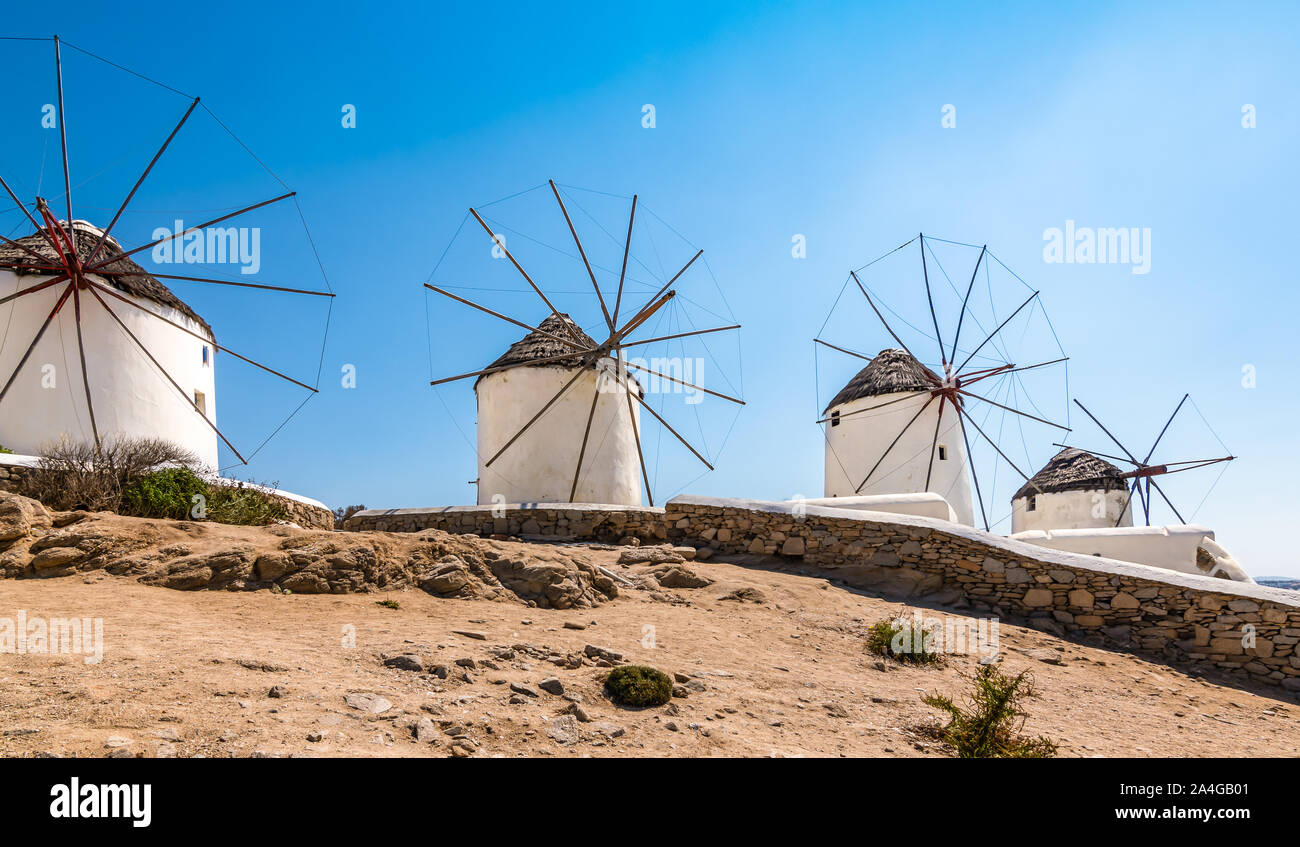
(989, 725)
(78, 475)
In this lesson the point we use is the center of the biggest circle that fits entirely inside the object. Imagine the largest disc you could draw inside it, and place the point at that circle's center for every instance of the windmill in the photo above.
(560, 412)
(907, 421)
(145, 360)
(1144, 472)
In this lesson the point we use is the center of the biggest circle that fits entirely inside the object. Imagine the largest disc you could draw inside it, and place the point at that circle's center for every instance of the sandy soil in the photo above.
(190, 673)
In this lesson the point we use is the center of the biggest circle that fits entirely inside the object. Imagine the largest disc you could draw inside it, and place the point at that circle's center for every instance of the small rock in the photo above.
(470, 633)
(366, 702)
(526, 690)
(424, 730)
(574, 625)
(552, 685)
(315, 737)
(605, 653)
(405, 662)
(1046, 655)
(564, 729)
(278, 691)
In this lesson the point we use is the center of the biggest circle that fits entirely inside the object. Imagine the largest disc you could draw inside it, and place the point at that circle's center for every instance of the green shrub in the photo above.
(4, 449)
(638, 685)
(989, 727)
(388, 604)
(168, 493)
(244, 505)
(903, 640)
(79, 475)
(342, 513)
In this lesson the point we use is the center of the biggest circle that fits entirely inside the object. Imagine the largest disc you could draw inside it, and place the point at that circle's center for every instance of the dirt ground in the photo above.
(190, 673)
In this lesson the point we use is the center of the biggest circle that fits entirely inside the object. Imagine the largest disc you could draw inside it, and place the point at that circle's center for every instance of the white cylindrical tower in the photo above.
(873, 410)
(539, 467)
(1075, 490)
(130, 395)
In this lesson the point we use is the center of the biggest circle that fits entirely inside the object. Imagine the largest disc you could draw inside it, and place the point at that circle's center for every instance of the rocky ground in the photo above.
(456, 646)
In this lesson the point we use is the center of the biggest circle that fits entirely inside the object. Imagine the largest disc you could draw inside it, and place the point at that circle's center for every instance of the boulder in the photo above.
(21, 517)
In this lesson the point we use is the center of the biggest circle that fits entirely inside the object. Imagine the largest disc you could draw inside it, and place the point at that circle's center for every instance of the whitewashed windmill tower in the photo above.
(867, 423)
(1142, 478)
(559, 413)
(95, 347)
(124, 394)
(901, 426)
(1075, 490)
(539, 467)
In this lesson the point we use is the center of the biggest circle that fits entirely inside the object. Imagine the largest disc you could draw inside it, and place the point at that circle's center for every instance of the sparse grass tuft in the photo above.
(903, 640)
(388, 604)
(989, 727)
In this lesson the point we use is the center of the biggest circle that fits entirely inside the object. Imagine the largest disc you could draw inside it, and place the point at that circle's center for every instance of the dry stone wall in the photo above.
(554, 521)
(1241, 628)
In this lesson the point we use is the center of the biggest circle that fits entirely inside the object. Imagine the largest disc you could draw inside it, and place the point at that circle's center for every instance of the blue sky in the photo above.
(772, 120)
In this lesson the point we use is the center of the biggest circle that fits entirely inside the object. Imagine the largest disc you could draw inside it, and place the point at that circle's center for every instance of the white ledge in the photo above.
(1017, 549)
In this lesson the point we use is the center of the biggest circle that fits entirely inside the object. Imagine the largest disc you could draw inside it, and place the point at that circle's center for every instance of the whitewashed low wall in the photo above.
(926, 504)
(1172, 547)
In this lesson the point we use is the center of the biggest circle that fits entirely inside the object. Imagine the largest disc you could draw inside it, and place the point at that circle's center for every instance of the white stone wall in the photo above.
(539, 467)
(1096, 508)
(859, 440)
(1170, 547)
(131, 397)
(925, 504)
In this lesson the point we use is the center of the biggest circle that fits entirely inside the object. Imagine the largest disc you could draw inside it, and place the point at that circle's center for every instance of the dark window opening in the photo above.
(1033, 503)
(835, 418)
(943, 453)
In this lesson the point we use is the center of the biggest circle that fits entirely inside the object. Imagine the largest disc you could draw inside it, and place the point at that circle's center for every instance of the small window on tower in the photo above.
(835, 418)
(201, 401)
(1033, 503)
(943, 453)
(206, 360)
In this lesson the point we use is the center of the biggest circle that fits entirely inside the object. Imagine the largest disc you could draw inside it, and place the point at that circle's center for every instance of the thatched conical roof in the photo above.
(85, 236)
(890, 372)
(1073, 469)
(534, 347)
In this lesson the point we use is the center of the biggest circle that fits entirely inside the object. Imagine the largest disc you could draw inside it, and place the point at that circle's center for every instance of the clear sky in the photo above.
(771, 120)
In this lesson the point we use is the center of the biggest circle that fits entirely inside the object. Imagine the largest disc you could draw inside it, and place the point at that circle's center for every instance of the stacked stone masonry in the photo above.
(568, 522)
(1192, 621)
